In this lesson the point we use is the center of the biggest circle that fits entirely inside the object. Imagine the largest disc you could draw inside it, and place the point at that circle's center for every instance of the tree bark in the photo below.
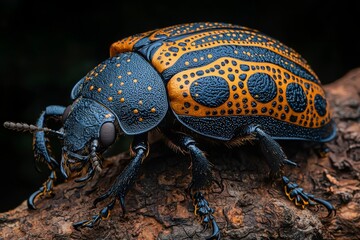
(248, 206)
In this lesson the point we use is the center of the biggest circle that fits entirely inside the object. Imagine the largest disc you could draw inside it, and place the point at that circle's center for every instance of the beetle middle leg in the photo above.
(201, 178)
(122, 184)
(276, 159)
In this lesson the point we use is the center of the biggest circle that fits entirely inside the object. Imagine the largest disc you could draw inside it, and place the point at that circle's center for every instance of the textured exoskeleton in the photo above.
(213, 81)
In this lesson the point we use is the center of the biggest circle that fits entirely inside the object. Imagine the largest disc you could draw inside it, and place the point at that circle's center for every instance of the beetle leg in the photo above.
(203, 210)
(201, 178)
(303, 199)
(271, 150)
(103, 215)
(122, 184)
(276, 159)
(89, 175)
(41, 145)
(42, 151)
(46, 190)
(322, 150)
(201, 171)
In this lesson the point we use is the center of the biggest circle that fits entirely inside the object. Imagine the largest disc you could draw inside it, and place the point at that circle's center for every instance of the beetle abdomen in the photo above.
(220, 73)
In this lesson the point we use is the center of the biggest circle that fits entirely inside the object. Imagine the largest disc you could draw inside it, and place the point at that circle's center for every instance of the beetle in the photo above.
(204, 80)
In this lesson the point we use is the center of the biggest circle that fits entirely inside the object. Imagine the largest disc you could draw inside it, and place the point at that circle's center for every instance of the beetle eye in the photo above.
(107, 134)
(66, 113)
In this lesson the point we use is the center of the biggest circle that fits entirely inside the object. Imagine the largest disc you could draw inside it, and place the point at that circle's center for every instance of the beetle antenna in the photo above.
(93, 156)
(24, 127)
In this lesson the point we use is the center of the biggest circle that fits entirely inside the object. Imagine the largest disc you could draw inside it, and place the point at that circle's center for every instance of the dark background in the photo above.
(45, 48)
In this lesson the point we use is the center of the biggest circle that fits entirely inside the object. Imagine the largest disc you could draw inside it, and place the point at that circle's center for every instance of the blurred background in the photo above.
(47, 46)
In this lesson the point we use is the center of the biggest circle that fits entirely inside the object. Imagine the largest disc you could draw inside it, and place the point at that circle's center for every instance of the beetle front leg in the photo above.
(123, 182)
(41, 145)
(201, 178)
(42, 152)
(276, 158)
(46, 190)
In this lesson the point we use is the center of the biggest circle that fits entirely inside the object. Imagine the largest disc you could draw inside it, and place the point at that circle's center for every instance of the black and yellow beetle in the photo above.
(210, 81)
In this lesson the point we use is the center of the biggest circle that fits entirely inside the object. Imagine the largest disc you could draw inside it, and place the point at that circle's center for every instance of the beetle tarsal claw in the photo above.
(102, 215)
(202, 209)
(46, 190)
(289, 162)
(302, 199)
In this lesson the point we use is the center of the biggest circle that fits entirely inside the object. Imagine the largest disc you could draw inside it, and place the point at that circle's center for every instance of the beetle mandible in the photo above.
(204, 80)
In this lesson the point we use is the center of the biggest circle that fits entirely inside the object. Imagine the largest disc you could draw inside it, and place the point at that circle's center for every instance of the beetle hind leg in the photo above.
(276, 159)
(302, 199)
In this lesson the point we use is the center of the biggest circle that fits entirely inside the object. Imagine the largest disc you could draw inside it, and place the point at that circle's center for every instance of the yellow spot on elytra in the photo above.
(118, 65)
(153, 110)
(110, 99)
(196, 95)
(201, 58)
(110, 85)
(135, 111)
(122, 99)
(91, 88)
(129, 73)
(99, 89)
(120, 91)
(140, 102)
(236, 52)
(103, 67)
(209, 55)
(141, 119)
(122, 83)
(128, 60)
(195, 59)
(119, 77)
(108, 115)
(149, 88)
(187, 63)
(196, 83)
(135, 80)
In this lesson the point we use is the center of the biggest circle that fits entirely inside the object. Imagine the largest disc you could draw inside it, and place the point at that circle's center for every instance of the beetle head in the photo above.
(89, 129)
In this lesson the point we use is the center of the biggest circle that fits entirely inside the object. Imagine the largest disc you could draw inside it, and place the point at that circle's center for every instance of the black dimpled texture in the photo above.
(262, 87)
(296, 97)
(320, 105)
(210, 91)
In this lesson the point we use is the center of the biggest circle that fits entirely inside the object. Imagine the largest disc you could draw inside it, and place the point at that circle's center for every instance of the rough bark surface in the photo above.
(251, 206)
